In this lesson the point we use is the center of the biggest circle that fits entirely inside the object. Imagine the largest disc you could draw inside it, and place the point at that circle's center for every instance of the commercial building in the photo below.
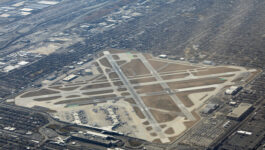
(70, 77)
(240, 112)
(52, 77)
(210, 108)
(87, 72)
(207, 62)
(244, 132)
(233, 90)
(95, 138)
(162, 56)
(232, 103)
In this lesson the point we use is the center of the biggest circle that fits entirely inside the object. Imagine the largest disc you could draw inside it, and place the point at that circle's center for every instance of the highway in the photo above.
(137, 98)
(166, 87)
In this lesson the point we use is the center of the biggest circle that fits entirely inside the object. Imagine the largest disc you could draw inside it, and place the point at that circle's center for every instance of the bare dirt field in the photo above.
(125, 94)
(175, 76)
(85, 99)
(237, 79)
(175, 67)
(130, 68)
(163, 116)
(215, 71)
(47, 98)
(105, 62)
(139, 112)
(94, 86)
(66, 88)
(157, 141)
(116, 57)
(157, 64)
(39, 93)
(189, 124)
(102, 78)
(149, 88)
(195, 82)
(113, 75)
(142, 80)
(148, 56)
(169, 131)
(149, 128)
(121, 62)
(146, 123)
(73, 84)
(121, 89)
(153, 134)
(172, 138)
(118, 83)
(107, 70)
(98, 92)
(225, 76)
(170, 73)
(183, 96)
(130, 100)
(160, 102)
(99, 69)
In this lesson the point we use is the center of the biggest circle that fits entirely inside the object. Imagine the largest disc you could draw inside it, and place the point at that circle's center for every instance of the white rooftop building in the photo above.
(162, 56)
(233, 90)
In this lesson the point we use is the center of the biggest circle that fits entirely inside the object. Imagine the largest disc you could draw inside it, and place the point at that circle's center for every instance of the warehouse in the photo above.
(240, 112)
(233, 90)
(163, 56)
(210, 108)
(70, 78)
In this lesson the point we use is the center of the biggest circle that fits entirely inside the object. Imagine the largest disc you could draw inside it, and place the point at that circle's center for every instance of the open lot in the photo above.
(105, 62)
(157, 64)
(163, 117)
(214, 71)
(47, 98)
(183, 96)
(142, 80)
(161, 102)
(130, 100)
(175, 76)
(116, 57)
(134, 68)
(65, 88)
(78, 100)
(121, 62)
(113, 75)
(93, 86)
(98, 92)
(195, 82)
(139, 112)
(39, 93)
(169, 131)
(149, 88)
(175, 67)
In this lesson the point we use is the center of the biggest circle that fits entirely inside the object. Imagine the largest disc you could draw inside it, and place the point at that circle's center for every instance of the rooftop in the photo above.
(240, 110)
